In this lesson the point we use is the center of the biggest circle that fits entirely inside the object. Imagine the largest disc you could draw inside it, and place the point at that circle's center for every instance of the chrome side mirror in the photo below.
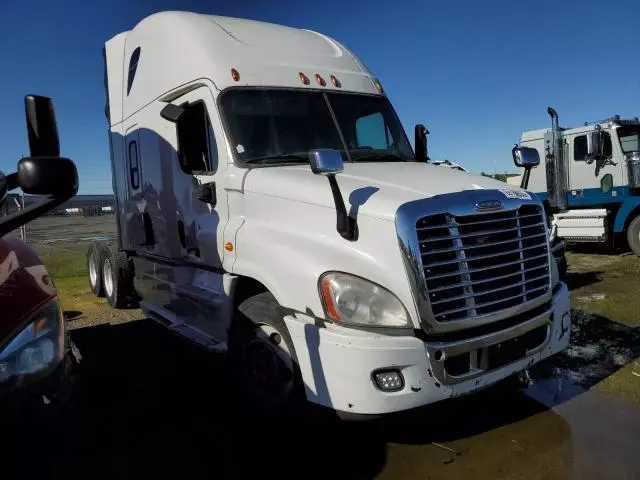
(325, 161)
(525, 157)
(329, 163)
(594, 143)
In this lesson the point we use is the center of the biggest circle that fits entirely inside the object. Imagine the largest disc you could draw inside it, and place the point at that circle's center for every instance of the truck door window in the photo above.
(197, 152)
(607, 147)
(134, 167)
(580, 148)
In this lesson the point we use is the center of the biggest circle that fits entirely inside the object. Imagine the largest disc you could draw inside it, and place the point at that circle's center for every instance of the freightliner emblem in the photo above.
(489, 205)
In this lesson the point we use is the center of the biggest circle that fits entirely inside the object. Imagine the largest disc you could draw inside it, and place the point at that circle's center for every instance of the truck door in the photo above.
(196, 173)
(138, 220)
(591, 184)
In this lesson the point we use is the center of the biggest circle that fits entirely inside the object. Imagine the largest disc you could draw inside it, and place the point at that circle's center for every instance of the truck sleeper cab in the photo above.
(270, 206)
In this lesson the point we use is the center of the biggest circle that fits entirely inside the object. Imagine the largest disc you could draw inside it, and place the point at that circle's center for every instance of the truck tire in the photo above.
(117, 278)
(263, 361)
(633, 235)
(94, 269)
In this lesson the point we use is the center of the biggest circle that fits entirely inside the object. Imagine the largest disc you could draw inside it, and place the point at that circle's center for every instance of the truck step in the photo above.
(181, 326)
(200, 338)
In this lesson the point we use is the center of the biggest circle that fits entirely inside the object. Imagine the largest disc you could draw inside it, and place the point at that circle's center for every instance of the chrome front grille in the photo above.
(480, 264)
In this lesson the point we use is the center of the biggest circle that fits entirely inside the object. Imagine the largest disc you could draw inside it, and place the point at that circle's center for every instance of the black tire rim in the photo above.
(268, 365)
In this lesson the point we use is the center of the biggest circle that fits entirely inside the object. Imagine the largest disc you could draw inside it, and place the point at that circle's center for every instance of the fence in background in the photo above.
(65, 227)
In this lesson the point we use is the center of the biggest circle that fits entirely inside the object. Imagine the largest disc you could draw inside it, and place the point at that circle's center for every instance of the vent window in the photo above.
(133, 66)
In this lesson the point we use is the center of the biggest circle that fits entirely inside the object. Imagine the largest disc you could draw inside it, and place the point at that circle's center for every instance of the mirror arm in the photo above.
(345, 224)
(524, 183)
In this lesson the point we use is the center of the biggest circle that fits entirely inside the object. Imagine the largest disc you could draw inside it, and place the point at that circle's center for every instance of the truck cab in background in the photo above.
(590, 178)
(270, 208)
(37, 357)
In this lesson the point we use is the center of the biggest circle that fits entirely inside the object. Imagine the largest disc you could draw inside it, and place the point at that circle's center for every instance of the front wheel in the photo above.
(633, 235)
(263, 357)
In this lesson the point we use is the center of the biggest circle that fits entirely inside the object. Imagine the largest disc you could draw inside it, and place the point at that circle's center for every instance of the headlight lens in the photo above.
(352, 300)
(37, 347)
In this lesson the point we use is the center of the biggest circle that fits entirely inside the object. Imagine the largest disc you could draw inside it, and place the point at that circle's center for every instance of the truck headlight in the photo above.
(38, 347)
(352, 300)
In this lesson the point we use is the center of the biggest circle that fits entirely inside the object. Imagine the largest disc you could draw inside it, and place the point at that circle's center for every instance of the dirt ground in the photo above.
(151, 405)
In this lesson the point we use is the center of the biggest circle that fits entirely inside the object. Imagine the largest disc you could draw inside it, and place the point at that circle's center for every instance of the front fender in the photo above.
(287, 245)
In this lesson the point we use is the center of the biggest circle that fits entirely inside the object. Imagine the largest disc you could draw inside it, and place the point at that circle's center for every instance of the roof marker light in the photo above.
(320, 80)
(335, 81)
(378, 85)
(235, 74)
(304, 79)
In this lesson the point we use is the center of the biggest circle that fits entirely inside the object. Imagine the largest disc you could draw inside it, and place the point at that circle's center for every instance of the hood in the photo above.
(376, 189)
(24, 284)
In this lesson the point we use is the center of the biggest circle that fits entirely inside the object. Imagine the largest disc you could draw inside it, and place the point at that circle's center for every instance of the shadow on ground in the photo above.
(577, 280)
(596, 248)
(153, 406)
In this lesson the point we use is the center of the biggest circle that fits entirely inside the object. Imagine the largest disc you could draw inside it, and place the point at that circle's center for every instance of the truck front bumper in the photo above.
(338, 365)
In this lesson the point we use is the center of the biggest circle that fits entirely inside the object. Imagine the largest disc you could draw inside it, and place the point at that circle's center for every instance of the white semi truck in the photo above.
(270, 206)
(590, 178)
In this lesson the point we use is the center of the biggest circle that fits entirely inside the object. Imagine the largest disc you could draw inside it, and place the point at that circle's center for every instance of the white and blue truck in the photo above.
(589, 178)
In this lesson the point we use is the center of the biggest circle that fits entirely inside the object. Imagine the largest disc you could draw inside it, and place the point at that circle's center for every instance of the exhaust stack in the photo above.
(555, 165)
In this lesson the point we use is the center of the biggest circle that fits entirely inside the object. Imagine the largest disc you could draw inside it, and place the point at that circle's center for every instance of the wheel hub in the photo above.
(268, 364)
(93, 270)
(108, 278)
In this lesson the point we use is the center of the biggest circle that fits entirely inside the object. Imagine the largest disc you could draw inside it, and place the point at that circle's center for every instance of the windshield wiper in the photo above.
(298, 157)
(391, 157)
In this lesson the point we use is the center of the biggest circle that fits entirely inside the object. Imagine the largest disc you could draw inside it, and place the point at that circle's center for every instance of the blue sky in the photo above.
(476, 73)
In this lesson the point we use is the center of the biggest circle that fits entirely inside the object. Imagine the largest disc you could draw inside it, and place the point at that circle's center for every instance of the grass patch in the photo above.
(65, 264)
(69, 272)
(624, 384)
(607, 286)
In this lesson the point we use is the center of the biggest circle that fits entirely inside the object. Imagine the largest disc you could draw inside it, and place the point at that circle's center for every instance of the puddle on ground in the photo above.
(95, 239)
(557, 427)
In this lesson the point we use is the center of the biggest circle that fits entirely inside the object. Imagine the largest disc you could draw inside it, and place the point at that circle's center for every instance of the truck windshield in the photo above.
(281, 126)
(629, 138)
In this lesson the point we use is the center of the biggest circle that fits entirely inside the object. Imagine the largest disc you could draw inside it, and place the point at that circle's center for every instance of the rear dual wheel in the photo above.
(117, 278)
(94, 269)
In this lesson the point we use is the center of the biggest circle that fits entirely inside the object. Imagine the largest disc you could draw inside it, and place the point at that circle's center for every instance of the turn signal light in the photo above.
(304, 79)
(378, 85)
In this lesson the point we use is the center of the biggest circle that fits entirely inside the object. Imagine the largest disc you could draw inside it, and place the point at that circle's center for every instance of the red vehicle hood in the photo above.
(25, 284)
